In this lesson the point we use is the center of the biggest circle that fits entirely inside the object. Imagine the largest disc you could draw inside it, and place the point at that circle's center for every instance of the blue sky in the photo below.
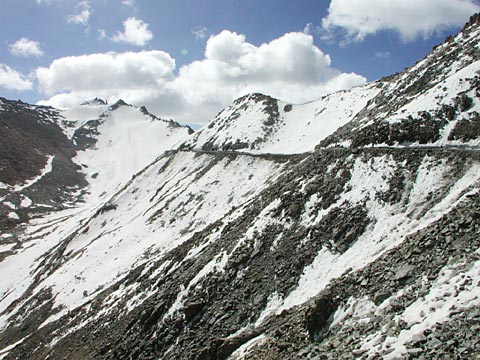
(187, 59)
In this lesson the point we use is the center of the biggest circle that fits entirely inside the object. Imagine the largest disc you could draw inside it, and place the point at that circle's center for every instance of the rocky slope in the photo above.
(32, 144)
(348, 227)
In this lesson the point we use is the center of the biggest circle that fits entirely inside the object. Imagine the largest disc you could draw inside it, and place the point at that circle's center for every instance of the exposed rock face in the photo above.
(225, 249)
(430, 103)
(32, 141)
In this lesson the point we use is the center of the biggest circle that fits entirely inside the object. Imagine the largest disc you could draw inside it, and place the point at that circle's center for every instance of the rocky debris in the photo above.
(340, 227)
(472, 23)
(456, 339)
(421, 130)
(192, 311)
(85, 137)
(466, 129)
(28, 138)
(171, 123)
(105, 208)
(345, 340)
(227, 301)
(463, 102)
(270, 109)
(403, 272)
(319, 317)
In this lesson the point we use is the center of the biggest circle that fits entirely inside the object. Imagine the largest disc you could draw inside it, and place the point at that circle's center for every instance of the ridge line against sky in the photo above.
(187, 59)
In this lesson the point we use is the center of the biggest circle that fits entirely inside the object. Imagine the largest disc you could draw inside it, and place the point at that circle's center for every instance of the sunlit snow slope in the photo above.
(125, 140)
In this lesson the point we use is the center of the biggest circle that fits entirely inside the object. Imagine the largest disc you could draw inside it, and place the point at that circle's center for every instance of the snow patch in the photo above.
(217, 264)
(13, 215)
(10, 205)
(26, 202)
(135, 139)
(357, 310)
(298, 129)
(47, 169)
(243, 350)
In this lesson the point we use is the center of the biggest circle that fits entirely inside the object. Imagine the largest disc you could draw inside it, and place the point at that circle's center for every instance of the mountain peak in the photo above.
(144, 110)
(96, 101)
(474, 22)
(253, 98)
(119, 103)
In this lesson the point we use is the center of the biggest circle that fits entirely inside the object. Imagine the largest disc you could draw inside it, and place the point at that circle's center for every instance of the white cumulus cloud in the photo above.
(409, 18)
(11, 79)
(110, 72)
(135, 32)
(83, 13)
(290, 67)
(26, 48)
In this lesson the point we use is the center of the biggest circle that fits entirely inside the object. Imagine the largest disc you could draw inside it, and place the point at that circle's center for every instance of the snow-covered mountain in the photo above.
(433, 103)
(257, 123)
(348, 227)
(53, 159)
(122, 140)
